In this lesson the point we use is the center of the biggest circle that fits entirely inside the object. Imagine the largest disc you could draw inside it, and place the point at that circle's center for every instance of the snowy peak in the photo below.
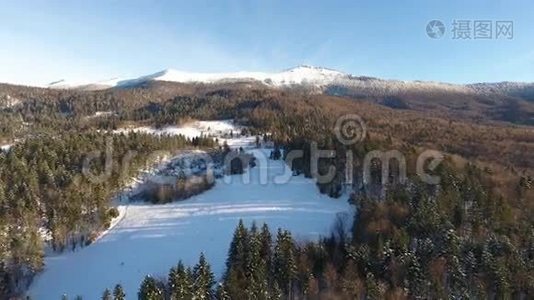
(295, 76)
(308, 75)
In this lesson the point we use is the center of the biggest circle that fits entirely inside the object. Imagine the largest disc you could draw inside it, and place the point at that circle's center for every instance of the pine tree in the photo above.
(118, 293)
(180, 282)
(237, 251)
(276, 293)
(150, 290)
(106, 295)
(416, 280)
(266, 245)
(235, 284)
(222, 293)
(235, 278)
(458, 288)
(284, 264)
(203, 279)
(255, 269)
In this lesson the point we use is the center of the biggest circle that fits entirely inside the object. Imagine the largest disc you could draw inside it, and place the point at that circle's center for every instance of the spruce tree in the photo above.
(416, 280)
(180, 282)
(284, 264)
(118, 293)
(266, 245)
(150, 290)
(222, 293)
(237, 251)
(203, 279)
(235, 277)
(276, 293)
(106, 295)
(255, 269)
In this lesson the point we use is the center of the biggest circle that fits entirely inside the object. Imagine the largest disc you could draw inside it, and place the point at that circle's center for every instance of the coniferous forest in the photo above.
(469, 237)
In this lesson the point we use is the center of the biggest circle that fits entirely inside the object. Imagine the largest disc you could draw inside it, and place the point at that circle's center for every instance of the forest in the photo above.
(44, 194)
(471, 236)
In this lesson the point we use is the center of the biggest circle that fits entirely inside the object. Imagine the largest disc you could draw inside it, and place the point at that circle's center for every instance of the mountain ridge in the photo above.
(317, 78)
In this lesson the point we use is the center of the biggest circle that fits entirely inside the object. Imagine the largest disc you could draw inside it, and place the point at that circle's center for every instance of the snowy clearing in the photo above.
(192, 129)
(150, 239)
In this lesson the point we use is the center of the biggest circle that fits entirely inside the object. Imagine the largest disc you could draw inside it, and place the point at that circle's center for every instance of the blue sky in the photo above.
(44, 41)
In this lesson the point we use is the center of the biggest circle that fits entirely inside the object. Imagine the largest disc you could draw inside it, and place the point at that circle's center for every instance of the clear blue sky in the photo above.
(43, 41)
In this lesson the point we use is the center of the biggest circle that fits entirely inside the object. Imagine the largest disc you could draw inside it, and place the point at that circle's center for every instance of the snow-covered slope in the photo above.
(302, 75)
(84, 85)
(312, 77)
(149, 239)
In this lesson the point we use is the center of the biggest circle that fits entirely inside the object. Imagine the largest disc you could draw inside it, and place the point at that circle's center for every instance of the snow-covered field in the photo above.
(149, 239)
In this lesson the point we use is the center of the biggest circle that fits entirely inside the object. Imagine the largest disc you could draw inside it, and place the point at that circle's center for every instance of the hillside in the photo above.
(489, 162)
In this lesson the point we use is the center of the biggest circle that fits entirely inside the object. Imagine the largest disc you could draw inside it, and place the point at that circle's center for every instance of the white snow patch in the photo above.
(222, 128)
(99, 114)
(6, 147)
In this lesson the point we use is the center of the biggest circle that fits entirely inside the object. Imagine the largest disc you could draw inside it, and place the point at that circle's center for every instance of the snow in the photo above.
(83, 85)
(6, 147)
(192, 129)
(150, 239)
(294, 76)
(303, 75)
(99, 114)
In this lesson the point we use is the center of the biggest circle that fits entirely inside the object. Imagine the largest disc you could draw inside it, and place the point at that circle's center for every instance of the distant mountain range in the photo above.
(315, 78)
(504, 101)
(302, 75)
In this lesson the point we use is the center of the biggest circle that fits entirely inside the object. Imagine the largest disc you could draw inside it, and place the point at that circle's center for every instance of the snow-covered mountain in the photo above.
(301, 75)
(322, 79)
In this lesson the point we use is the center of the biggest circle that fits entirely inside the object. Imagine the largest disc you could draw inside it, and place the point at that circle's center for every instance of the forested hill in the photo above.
(414, 238)
(447, 121)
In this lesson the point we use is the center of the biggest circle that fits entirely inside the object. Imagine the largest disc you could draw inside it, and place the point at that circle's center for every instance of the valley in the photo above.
(149, 238)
